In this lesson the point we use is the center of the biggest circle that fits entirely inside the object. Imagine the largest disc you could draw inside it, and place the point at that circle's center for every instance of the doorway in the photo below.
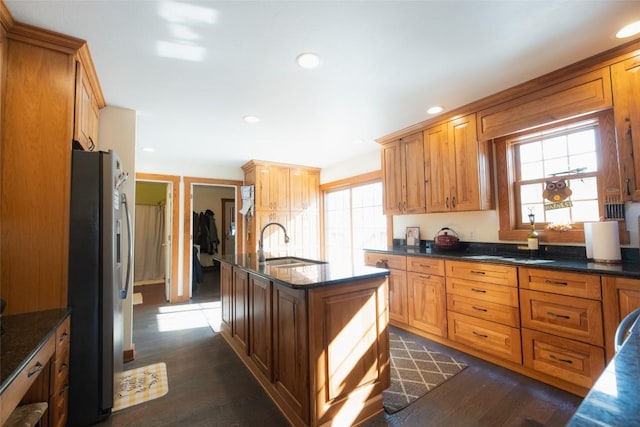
(202, 195)
(156, 219)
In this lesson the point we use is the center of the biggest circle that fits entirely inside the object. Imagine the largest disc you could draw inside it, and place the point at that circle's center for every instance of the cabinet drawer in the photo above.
(63, 333)
(426, 265)
(493, 312)
(23, 381)
(562, 358)
(489, 337)
(488, 273)
(561, 282)
(570, 317)
(498, 294)
(58, 408)
(60, 370)
(398, 262)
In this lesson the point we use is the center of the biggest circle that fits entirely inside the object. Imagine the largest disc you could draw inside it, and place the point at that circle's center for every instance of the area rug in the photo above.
(137, 298)
(415, 370)
(141, 385)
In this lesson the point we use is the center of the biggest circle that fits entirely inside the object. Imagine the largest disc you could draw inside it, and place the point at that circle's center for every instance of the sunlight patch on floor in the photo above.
(190, 316)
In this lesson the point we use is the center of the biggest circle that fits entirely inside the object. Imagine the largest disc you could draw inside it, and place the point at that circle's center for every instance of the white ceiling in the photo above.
(383, 63)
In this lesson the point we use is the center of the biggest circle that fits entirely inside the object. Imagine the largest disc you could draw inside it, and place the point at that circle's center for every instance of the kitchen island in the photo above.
(315, 335)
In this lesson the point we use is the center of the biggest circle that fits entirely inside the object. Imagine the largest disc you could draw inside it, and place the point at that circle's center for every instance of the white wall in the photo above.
(190, 167)
(118, 133)
(369, 162)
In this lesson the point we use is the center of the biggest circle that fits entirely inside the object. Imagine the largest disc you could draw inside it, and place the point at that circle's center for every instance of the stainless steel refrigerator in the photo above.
(98, 218)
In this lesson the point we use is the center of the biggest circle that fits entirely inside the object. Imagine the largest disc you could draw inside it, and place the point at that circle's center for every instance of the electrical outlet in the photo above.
(472, 235)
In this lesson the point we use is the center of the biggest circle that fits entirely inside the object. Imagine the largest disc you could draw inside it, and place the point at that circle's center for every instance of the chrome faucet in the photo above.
(261, 257)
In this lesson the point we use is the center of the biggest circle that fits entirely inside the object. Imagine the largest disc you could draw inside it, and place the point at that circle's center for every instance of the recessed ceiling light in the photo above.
(251, 119)
(149, 149)
(357, 141)
(308, 60)
(435, 109)
(629, 30)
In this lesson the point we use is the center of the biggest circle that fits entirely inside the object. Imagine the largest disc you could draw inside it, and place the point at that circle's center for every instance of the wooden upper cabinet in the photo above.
(88, 102)
(457, 167)
(625, 77)
(272, 188)
(583, 94)
(403, 176)
(305, 189)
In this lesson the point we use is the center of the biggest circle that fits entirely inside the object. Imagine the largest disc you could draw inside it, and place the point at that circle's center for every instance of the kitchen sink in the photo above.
(292, 262)
(508, 259)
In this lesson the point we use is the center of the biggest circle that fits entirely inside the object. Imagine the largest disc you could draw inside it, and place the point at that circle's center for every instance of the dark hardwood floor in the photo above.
(209, 386)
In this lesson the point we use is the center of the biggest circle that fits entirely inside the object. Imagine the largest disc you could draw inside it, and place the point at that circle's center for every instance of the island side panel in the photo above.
(349, 350)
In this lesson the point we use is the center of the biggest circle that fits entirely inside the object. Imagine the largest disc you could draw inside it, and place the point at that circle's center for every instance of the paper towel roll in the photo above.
(606, 242)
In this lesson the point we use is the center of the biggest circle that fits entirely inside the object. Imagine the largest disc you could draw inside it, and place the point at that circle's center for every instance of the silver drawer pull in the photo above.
(425, 277)
(477, 272)
(556, 282)
(479, 291)
(480, 335)
(562, 316)
(554, 357)
(479, 308)
(63, 336)
(425, 265)
(63, 367)
(35, 369)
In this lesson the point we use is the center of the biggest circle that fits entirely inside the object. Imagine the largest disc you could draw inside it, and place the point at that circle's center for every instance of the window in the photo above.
(353, 221)
(536, 170)
(551, 165)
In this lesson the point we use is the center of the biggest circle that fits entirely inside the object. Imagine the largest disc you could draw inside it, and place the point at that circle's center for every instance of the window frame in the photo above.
(511, 227)
(349, 183)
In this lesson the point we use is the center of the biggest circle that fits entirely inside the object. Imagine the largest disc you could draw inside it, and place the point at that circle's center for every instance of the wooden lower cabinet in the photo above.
(226, 286)
(427, 300)
(59, 381)
(562, 358)
(261, 346)
(240, 313)
(398, 297)
(322, 354)
(290, 343)
(489, 337)
(620, 296)
(483, 308)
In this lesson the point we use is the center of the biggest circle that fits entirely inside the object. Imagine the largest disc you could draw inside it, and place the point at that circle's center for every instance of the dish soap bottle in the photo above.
(532, 238)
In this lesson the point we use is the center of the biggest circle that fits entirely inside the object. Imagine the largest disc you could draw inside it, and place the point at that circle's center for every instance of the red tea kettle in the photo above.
(444, 240)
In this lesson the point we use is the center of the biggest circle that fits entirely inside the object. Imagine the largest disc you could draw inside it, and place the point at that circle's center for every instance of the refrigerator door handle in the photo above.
(125, 291)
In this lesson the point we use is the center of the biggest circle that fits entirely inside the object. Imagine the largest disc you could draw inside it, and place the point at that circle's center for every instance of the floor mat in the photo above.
(141, 385)
(137, 298)
(415, 370)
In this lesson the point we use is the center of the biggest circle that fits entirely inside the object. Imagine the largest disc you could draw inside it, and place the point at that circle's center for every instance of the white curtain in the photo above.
(149, 236)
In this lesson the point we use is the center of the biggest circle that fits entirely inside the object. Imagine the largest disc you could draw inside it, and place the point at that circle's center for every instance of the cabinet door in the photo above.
(85, 123)
(272, 188)
(260, 326)
(413, 177)
(625, 77)
(392, 178)
(620, 296)
(398, 310)
(290, 344)
(240, 300)
(304, 229)
(427, 303)
(436, 155)
(305, 189)
(463, 164)
(226, 289)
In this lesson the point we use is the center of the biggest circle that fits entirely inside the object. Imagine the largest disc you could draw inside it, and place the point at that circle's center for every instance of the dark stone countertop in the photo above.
(613, 400)
(22, 336)
(551, 260)
(306, 276)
